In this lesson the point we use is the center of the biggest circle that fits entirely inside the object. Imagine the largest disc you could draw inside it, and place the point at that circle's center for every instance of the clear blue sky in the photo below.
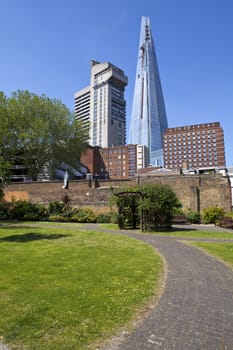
(46, 47)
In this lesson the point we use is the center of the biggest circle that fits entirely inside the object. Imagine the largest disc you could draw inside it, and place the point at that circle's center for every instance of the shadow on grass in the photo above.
(31, 236)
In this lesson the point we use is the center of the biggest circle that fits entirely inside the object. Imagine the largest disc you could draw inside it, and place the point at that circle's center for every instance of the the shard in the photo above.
(148, 118)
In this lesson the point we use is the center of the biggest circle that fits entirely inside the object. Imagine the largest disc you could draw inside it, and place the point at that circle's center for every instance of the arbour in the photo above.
(149, 207)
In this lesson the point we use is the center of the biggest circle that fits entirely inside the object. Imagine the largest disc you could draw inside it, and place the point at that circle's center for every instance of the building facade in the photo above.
(119, 162)
(148, 118)
(194, 147)
(82, 106)
(102, 106)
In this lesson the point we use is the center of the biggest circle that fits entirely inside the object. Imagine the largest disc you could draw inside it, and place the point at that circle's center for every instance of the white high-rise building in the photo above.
(102, 107)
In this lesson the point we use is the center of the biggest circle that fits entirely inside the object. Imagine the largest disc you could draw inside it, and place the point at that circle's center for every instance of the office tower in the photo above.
(148, 118)
(102, 107)
(194, 147)
(82, 106)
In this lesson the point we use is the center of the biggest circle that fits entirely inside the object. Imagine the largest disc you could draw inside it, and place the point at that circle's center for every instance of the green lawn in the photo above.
(65, 288)
(186, 233)
(223, 251)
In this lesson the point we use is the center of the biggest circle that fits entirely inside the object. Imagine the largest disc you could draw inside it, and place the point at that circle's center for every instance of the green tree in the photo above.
(7, 139)
(39, 131)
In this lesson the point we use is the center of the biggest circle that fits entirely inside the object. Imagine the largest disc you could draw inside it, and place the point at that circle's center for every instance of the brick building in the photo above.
(194, 147)
(119, 162)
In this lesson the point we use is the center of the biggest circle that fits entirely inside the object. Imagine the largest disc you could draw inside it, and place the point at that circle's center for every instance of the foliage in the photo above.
(127, 202)
(31, 217)
(212, 214)
(229, 214)
(5, 171)
(104, 218)
(19, 209)
(193, 216)
(57, 218)
(83, 215)
(68, 289)
(36, 131)
(178, 211)
(22, 210)
(3, 211)
(152, 204)
(56, 207)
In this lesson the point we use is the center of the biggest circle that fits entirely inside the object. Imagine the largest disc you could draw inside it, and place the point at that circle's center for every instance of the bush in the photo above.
(31, 217)
(3, 211)
(84, 215)
(22, 208)
(104, 218)
(229, 214)
(57, 218)
(193, 217)
(56, 207)
(212, 214)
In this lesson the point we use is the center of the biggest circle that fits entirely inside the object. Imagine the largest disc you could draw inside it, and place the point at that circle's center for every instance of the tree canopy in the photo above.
(39, 131)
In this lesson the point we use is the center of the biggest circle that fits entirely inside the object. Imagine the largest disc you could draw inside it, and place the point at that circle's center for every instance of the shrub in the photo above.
(104, 218)
(41, 210)
(193, 216)
(114, 218)
(57, 218)
(3, 211)
(229, 214)
(31, 217)
(56, 207)
(18, 209)
(212, 214)
(84, 215)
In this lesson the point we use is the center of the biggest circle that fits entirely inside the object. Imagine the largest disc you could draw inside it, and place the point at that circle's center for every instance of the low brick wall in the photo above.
(195, 192)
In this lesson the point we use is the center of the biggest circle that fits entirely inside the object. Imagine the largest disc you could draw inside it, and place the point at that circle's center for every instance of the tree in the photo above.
(39, 131)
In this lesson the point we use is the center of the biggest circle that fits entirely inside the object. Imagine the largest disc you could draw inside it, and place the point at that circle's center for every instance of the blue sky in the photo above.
(47, 45)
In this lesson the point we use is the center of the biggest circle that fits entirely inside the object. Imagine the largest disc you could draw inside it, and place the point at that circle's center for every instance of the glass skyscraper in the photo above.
(148, 118)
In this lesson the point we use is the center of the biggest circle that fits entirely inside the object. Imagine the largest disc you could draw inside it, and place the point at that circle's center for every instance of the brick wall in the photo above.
(196, 192)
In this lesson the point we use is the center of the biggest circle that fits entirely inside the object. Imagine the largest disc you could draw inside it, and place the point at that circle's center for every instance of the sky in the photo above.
(46, 47)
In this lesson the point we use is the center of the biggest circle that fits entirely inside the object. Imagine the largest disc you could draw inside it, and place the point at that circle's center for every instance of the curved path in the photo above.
(195, 311)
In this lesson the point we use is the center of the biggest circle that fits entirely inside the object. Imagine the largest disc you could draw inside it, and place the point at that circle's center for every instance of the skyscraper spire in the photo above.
(148, 118)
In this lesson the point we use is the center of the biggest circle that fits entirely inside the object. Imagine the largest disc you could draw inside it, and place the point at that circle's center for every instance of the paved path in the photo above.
(195, 311)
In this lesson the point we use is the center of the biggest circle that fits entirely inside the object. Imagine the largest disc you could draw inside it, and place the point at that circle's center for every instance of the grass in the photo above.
(223, 251)
(186, 233)
(196, 234)
(67, 289)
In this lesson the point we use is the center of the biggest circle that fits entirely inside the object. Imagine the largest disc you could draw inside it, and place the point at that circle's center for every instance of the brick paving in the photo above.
(195, 311)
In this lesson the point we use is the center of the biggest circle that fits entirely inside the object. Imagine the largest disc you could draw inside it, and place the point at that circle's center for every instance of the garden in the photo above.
(66, 286)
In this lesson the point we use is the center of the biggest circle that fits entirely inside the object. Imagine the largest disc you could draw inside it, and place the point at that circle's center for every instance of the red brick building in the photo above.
(194, 146)
(119, 162)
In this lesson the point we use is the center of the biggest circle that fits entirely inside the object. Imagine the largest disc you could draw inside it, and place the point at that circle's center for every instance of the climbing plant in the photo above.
(151, 207)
